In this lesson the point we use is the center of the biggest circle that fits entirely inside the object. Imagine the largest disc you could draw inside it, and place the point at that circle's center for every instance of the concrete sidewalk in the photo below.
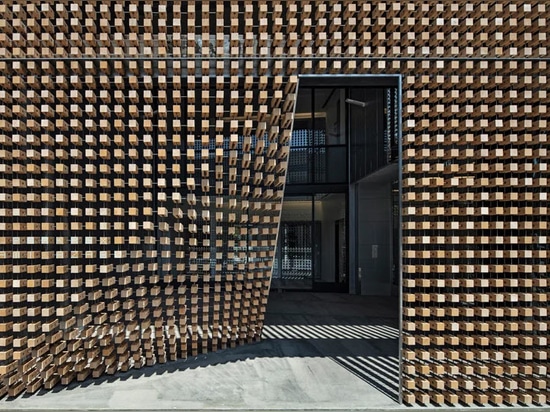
(320, 352)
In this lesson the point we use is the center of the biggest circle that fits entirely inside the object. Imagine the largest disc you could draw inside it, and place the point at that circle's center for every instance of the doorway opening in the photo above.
(340, 220)
(339, 239)
(312, 243)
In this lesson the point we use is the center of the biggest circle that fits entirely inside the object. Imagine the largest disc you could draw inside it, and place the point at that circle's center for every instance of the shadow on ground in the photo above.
(342, 329)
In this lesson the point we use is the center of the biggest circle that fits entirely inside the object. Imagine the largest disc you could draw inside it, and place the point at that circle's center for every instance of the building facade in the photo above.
(144, 150)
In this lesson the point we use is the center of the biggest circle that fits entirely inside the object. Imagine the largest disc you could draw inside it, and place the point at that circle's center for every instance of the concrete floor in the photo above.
(320, 351)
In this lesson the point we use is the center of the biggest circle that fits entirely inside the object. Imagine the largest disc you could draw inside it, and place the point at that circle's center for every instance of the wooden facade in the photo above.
(143, 154)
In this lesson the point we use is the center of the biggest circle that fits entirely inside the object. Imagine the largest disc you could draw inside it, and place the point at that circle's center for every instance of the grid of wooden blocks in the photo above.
(143, 151)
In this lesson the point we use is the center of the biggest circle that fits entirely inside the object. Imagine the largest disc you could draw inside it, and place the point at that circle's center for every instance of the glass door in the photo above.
(293, 267)
(312, 244)
(330, 243)
(341, 251)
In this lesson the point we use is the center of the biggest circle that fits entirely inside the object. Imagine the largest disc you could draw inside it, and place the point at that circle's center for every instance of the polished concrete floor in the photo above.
(320, 351)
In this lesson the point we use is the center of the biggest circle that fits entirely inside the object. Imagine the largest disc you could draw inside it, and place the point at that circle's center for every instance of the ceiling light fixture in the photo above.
(356, 103)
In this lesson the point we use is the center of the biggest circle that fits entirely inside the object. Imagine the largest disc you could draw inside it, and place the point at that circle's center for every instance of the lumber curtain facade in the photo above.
(143, 156)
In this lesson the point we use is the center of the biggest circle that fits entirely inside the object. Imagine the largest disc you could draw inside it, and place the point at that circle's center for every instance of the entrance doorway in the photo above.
(312, 244)
(340, 230)
(340, 219)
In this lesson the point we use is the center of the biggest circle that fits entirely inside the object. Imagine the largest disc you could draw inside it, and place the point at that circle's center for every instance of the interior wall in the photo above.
(374, 242)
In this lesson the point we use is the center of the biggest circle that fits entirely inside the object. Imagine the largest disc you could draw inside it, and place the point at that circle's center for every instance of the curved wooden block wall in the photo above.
(143, 151)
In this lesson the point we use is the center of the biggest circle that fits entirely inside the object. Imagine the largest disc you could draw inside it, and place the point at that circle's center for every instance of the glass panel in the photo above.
(330, 164)
(329, 109)
(300, 166)
(374, 125)
(319, 132)
(330, 246)
(318, 146)
(329, 156)
(293, 267)
(341, 251)
(365, 131)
